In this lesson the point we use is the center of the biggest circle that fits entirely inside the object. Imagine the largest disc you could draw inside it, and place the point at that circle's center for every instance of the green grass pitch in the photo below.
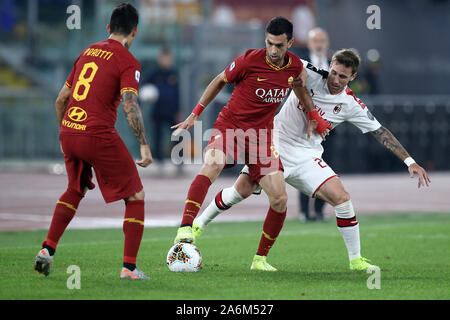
(412, 250)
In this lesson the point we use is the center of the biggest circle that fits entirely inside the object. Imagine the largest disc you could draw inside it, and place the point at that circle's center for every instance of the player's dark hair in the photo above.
(279, 25)
(124, 19)
(348, 58)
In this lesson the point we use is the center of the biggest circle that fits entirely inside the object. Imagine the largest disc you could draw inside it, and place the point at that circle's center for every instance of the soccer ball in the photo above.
(184, 257)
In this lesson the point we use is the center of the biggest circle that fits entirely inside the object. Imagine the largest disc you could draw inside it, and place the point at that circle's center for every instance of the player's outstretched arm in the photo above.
(133, 114)
(387, 139)
(316, 122)
(211, 91)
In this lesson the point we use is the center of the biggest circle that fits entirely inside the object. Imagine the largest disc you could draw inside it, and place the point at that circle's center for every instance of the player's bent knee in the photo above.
(344, 196)
(279, 202)
(337, 198)
(214, 167)
(245, 190)
(137, 196)
(211, 170)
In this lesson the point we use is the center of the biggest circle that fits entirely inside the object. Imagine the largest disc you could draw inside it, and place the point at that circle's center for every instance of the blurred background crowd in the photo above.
(183, 44)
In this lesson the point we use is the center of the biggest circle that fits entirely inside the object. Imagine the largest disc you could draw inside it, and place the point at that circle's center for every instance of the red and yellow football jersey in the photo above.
(260, 88)
(100, 75)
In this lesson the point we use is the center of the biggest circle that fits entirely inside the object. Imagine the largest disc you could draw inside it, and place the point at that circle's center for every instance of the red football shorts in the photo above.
(251, 146)
(115, 170)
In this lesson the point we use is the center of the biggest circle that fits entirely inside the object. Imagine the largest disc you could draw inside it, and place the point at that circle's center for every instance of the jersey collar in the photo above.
(273, 66)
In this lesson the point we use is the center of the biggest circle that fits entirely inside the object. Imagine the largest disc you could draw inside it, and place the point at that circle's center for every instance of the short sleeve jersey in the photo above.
(292, 121)
(260, 87)
(100, 75)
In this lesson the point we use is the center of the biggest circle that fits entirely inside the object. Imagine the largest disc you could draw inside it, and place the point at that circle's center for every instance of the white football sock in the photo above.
(226, 198)
(349, 228)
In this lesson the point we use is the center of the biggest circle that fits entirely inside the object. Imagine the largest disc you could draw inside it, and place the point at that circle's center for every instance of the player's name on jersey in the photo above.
(98, 53)
(74, 125)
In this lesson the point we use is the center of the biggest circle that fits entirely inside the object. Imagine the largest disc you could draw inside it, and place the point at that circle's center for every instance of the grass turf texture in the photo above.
(412, 251)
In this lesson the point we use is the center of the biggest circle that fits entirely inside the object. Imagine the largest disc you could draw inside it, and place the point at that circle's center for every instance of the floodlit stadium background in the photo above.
(403, 80)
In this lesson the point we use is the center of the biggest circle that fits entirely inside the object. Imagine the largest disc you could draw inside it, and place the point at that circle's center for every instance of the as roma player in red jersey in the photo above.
(244, 127)
(86, 109)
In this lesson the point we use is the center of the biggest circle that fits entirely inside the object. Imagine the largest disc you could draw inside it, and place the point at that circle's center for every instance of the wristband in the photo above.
(322, 124)
(313, 115)
(409, 161)
(198, 109)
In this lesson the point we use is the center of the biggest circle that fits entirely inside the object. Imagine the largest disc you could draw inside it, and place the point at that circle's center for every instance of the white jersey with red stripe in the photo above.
(291, 122)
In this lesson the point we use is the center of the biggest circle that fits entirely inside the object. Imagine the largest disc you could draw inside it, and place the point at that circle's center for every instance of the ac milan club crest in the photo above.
(337, 109)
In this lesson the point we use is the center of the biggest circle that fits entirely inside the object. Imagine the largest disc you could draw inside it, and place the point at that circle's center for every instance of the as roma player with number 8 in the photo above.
(86, 110)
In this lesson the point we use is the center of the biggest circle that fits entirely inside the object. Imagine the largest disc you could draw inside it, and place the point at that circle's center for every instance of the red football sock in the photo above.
(271, 229)
(65, 209)
(133, 228)
(196, 196)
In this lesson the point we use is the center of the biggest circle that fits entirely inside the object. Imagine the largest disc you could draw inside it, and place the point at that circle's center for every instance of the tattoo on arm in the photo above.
(387, 139)
(133, 114)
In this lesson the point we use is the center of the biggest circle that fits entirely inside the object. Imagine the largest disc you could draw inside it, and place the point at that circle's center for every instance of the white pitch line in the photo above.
(104, 223)
(87, 222)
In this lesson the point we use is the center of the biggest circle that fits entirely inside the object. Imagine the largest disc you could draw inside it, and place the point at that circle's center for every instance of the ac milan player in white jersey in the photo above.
(304, 169)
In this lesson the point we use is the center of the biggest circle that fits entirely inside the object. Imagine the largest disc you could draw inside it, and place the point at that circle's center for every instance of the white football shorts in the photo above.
(304, 169)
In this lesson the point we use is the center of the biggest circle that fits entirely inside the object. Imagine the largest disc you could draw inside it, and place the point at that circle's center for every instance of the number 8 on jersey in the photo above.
(85, 82)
